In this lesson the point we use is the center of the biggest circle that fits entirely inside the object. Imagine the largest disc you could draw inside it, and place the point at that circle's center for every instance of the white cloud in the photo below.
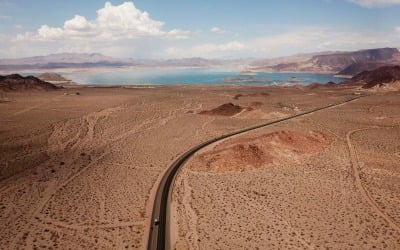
(305, 40)
(48, 33)
(217, 30)
(125, 31)
(319, 39)
(119, 22)
(78, 23)
(375, 3)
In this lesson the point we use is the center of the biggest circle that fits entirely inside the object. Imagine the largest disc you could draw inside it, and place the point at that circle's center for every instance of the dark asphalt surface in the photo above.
(158, 237)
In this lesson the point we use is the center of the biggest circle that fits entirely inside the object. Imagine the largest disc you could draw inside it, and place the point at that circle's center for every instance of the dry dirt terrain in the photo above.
(328, 180)
(77, 171)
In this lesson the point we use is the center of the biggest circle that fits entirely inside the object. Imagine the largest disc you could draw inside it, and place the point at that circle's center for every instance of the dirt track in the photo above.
(77, 171)
(355, 167)
(159, 236)
(344, 196)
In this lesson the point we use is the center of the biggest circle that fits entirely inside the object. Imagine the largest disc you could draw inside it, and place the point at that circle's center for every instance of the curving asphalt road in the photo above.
(159, 235)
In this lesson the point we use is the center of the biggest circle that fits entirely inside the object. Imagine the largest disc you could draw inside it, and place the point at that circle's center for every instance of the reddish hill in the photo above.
(340, 61)
(227, 109)
(359, 67)
(17, 82)
(377, 77)
(243, 154)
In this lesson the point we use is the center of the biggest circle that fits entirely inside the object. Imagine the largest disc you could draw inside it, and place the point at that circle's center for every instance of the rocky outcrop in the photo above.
(377, 77)
(340, 61)
(228, 109)
(359, 67)
(17, 82)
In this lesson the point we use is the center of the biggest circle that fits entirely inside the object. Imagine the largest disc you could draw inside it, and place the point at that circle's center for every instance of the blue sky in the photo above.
(209, 28)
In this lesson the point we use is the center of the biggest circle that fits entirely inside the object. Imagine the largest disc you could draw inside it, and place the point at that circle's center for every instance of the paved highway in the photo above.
(159, 235)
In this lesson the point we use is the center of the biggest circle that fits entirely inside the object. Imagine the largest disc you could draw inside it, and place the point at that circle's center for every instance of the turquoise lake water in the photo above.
(191, 76)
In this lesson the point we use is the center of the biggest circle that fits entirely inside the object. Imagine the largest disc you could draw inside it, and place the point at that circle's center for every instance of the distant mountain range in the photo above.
(343, 63)
(59, 58)
(65, 60)
(75, 60)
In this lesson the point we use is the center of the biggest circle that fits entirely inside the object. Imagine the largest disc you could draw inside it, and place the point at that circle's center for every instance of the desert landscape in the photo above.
(80, 166)
(329, 180)
(200, 125)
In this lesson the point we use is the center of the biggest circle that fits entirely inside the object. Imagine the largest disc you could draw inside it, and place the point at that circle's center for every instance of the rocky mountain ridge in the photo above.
(17, 82)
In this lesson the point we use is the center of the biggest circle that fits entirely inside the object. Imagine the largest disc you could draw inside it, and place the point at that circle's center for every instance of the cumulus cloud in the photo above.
(119, 22)
(217, 30)
(125, 31)
(375, 3)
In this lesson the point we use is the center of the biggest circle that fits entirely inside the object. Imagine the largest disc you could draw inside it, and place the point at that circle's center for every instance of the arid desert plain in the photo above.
(78, 171)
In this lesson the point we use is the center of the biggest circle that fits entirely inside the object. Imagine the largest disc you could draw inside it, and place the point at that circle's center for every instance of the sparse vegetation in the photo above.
(4, 97)
(109, 142)
(282, 105)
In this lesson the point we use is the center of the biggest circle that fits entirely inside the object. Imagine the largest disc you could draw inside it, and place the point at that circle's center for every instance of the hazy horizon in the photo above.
(183, 58)
(214, 30)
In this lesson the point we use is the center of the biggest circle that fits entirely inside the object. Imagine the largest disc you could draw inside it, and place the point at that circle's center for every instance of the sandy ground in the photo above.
(329, 180)
(77, 171)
